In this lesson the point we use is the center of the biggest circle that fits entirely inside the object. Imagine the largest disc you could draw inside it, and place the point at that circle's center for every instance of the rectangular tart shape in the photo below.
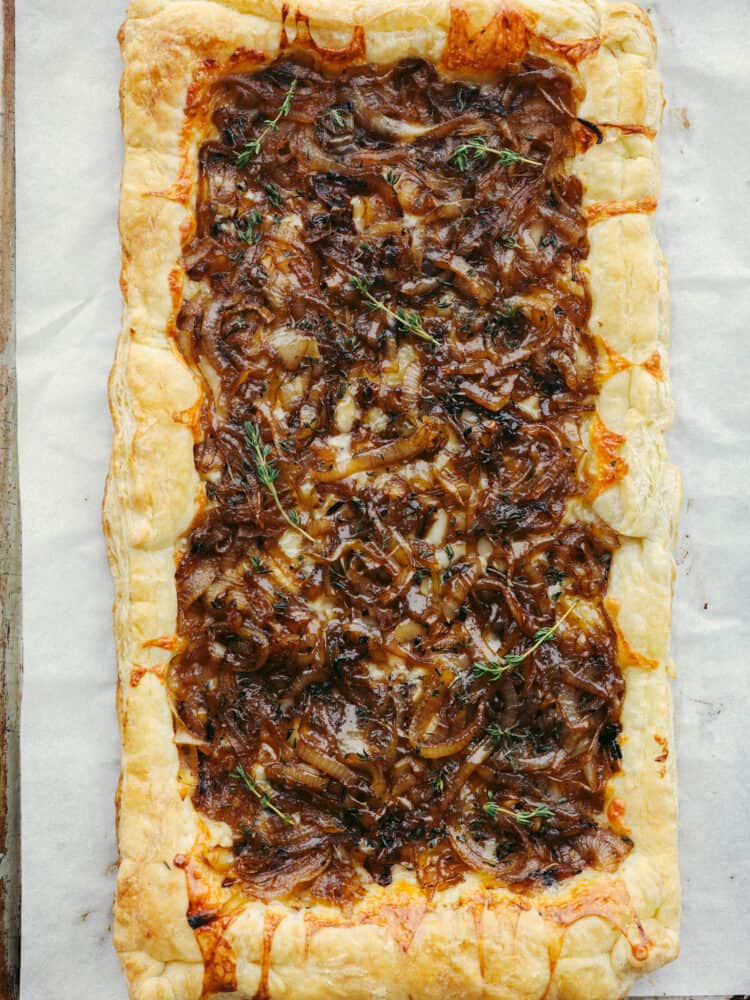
(389, 512)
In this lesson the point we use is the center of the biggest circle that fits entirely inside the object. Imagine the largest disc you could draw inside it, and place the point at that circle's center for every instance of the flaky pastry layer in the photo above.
(590, 936)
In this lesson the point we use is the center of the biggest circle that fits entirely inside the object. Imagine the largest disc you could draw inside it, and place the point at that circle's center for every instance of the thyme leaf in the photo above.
(479, 149)
(252, 148)
(264, 797)
(274, 195)
(409, 321)
(248, 232)
(494, 669)
(268, 472)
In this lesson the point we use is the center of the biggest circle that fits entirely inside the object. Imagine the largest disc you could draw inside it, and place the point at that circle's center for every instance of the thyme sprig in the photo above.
(240, 774)
(273, 193)
(479, 149)
(268, 472)
(252, 148)
(494, 669)
(497, 733)
(522, 816)
(337, 118)
(409, 321)
(248, 231)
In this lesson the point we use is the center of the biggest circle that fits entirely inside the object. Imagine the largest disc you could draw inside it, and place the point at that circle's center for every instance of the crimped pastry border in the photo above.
(591, 936)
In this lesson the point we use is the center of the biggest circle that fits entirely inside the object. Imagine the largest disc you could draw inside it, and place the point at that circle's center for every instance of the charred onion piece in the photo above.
(427, 438)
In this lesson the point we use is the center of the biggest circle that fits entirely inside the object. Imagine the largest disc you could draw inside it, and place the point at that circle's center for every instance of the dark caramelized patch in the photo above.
(336, 675)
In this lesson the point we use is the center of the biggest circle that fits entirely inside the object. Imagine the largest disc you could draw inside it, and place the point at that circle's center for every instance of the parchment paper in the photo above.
(69, 155)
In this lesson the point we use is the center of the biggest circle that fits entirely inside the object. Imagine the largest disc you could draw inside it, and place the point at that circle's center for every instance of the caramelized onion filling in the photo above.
(387, 314)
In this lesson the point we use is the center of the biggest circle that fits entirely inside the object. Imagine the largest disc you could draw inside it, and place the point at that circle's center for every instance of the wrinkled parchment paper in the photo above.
(69, 155)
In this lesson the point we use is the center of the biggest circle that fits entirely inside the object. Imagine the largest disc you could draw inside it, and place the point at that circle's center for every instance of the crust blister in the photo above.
(473, 943)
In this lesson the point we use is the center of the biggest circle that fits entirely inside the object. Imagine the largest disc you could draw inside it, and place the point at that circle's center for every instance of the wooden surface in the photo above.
(10, 541)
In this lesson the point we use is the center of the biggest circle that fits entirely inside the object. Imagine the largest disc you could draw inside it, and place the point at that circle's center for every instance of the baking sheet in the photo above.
(69, 154)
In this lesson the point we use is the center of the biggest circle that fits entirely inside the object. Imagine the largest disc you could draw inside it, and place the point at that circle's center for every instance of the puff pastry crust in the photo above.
(592, 935)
